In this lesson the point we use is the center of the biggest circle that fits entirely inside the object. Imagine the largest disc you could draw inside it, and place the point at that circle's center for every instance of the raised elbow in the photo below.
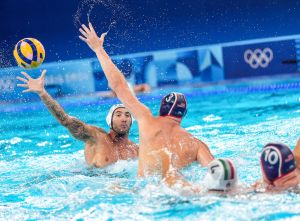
(119, 87)
(65, 121)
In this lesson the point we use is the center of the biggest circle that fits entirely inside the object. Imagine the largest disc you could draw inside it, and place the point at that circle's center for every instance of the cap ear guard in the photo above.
(276, 160)
(221, 175)
(111, 113)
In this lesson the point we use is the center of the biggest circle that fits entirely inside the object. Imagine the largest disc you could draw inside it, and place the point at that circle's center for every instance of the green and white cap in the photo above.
(221, 175)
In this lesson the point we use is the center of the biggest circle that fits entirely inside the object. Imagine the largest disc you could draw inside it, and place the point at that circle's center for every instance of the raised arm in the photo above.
(114, 76)
(77, 128)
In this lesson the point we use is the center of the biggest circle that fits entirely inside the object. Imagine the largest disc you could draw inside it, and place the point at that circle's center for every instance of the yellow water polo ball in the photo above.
(29, 53)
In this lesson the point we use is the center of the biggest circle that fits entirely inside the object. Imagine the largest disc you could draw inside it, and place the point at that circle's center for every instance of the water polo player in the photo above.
(278, 167)
(165, 147)
(101, 148)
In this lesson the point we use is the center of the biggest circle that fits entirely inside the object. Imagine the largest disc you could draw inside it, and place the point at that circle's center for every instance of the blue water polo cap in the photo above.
(173, 104)
(276, 161)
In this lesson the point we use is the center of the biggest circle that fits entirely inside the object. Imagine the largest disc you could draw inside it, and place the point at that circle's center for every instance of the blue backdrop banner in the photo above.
(212, 63)
(268, 58)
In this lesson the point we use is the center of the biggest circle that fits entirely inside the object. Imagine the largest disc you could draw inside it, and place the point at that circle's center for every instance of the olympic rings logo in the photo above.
(258, 57)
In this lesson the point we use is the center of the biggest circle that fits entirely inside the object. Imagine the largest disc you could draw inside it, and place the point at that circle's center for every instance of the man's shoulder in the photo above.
(184, 134)
(96, 134)
(148, 119)
(97, 130)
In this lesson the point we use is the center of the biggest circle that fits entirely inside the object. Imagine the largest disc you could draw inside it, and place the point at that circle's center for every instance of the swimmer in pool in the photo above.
(279, 168)
(220, 178)
(165, 147)
(101, 148)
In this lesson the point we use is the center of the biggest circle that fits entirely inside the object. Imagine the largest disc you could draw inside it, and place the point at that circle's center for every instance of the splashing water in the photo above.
(111, 25)
(116, 12)
(62, 186)
(110, 11)
(5, 50)
(89, 13)
(114, 16)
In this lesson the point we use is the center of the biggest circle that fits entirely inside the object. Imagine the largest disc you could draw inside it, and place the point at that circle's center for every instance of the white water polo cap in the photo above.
(221, 175)
(111, 112)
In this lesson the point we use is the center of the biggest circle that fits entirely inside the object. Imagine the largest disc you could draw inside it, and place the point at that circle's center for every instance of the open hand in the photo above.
(90, 37)
(33, 85)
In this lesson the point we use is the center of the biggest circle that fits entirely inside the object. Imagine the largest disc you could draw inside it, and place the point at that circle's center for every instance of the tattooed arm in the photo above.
(77, 128)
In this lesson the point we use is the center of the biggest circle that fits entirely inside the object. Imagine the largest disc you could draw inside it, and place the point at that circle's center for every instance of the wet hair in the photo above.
(277, 160)
(173, 104)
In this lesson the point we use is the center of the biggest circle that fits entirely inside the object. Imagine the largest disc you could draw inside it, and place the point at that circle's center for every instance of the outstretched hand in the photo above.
(33, 85)
(90, 37)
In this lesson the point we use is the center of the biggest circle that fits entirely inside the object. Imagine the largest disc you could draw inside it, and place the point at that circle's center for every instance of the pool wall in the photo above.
(209, 63)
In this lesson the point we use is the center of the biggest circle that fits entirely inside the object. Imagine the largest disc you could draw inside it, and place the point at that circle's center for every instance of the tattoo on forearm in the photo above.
(77, 128)
(55, 109)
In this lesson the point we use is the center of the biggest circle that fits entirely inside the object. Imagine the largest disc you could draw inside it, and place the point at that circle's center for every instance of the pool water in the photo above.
(44, 175)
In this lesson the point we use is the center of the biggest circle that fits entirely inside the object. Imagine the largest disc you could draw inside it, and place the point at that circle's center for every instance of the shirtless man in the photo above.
(165, 147)
(280, 168)
(101, 148)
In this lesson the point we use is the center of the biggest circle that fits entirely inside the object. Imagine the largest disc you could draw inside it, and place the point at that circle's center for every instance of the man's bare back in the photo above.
(164, 140)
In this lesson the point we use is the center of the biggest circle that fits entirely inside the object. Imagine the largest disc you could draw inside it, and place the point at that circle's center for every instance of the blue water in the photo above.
(43, 175)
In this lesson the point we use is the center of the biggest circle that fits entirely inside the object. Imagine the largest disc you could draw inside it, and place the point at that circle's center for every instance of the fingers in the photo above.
(26, 75)
(92, 28)
(83, 32)
(22, 79)
(43, 73)
(25, 91)
(85, 29)
(83, 39)
(22, 85)
(103, 35)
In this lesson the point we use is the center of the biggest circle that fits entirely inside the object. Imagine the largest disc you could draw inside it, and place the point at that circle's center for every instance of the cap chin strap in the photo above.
(112, 127)
(111, 113)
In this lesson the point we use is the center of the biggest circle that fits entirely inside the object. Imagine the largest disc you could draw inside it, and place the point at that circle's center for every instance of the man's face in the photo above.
(121, 121)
